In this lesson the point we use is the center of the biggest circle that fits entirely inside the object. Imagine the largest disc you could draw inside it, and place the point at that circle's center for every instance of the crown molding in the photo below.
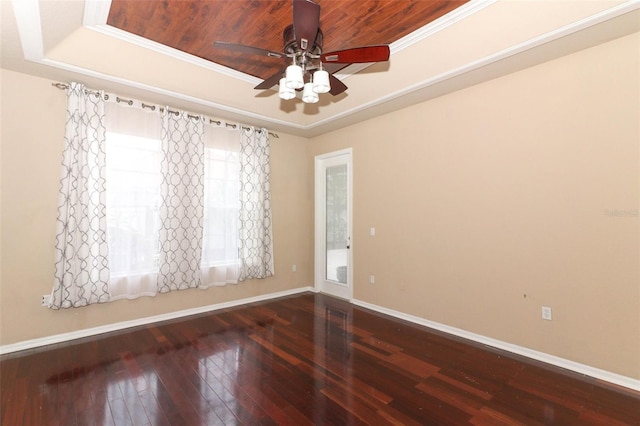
(420, 34)
(173, 53)
(29, 25)
(27, 14)
(169, 93)
(440, 24)
(505, 54)
(96, 12)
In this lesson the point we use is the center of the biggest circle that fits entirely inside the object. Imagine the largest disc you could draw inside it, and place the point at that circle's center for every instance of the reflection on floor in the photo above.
(307, 359)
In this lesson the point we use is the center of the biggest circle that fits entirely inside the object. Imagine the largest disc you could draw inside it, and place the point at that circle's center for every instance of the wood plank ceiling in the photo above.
(193, 26)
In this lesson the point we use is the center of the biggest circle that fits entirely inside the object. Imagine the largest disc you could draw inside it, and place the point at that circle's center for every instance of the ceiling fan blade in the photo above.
(306, 20)
(337, 86)
(271, 81)
(247, 49)
(379, 53)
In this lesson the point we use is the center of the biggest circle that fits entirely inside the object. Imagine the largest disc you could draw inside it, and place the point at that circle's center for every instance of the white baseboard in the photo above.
(64, 337)
(597, 373)
(587, 370)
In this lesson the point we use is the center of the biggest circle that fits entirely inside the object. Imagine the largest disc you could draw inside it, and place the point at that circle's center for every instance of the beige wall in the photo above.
(33, 116)
(492, 201)
(479, 198)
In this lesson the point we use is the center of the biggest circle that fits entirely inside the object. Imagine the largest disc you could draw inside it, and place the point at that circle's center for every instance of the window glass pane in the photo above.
(221, 201)
(133, 198)
(336, 223)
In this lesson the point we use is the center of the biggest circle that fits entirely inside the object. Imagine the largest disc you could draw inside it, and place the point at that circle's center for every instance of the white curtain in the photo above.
(133, 199)
(81, 252)
(220, 265)
(181, 208)
(255, 236)
(153, 200)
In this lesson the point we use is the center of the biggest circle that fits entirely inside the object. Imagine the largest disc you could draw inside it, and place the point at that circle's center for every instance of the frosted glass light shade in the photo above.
(293, 77)
(321, 82)
(308, 95)
(284, 91)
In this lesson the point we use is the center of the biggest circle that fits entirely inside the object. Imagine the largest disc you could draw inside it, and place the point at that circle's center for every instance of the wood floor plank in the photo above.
(354, 405)
(152, 408)
(299, 360)
(490, 417)
(450, 395)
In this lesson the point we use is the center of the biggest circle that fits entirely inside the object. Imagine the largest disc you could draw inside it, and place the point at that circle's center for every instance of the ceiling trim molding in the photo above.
(165, 92)
(28, 18)
(440, 24)
(30, 31)
(420, 34)
(29, 25)
(532, 43)
(172, 52)
(96, 14)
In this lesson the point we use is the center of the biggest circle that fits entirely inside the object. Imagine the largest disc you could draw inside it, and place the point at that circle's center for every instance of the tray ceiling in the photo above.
(193, 26)
(161, 51)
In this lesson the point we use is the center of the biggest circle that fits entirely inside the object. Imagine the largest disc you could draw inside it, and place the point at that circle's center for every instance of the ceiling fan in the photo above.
(303, 46)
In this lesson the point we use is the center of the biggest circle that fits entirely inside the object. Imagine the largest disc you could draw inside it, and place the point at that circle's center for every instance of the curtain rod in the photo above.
(64, 86)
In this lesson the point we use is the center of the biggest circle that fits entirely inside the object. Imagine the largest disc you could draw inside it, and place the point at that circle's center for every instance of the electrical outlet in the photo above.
(372, 279)
(546, 313)
(372, 232)
(294, 268)
(45, 299)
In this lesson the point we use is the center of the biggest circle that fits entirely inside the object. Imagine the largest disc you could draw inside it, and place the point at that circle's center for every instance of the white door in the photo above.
(333, 201)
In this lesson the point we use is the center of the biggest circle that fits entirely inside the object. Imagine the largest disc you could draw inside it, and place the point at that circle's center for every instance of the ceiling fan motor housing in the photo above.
(291, 44)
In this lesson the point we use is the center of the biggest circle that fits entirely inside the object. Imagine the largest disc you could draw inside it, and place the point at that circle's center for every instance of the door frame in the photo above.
(320, 284)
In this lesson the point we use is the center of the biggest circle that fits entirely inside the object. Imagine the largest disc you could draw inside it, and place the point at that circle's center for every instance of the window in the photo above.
(221, 201)
(133, 176)
(220, 262)
(154, 202)
(133, 197)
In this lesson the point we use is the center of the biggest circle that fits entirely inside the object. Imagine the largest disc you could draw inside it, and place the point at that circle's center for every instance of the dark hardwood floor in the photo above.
(300, 360)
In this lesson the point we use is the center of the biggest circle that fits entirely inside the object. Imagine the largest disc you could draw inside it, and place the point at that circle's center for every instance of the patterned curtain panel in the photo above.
(255, 244)
(181, 209)
(81, 253)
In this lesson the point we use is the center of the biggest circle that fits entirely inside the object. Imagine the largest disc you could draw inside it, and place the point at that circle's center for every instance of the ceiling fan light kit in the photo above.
(321, 81)
(309, 96)
(294, 78)
(285, 92)
(317, 84)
